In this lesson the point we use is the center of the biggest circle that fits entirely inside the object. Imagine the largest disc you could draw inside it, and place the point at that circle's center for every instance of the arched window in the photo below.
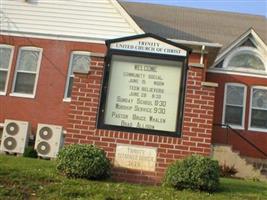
(245, 59)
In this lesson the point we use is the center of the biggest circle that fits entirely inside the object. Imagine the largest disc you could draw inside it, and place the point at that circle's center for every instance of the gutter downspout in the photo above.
(202, 54)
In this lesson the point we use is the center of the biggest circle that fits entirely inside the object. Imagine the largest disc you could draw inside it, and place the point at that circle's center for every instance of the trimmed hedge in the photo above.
(194, 172)
(83, 161)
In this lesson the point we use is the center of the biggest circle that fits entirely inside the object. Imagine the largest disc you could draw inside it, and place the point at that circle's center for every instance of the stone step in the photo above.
(264, 174)
(258, 163)
(245, 167)
(228, 148)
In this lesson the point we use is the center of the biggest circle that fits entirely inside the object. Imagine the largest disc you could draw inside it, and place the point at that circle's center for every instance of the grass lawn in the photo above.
(24, 178)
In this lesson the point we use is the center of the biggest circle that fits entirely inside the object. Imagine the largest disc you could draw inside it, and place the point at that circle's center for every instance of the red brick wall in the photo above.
(220, 134)
(47, 106)
(196, 134)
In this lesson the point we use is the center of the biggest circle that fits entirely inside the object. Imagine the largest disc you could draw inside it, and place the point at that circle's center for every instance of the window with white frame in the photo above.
(27, 71)
(234, 105)
(79, 62)
(258, 109)
(6, 54)
(246, 59)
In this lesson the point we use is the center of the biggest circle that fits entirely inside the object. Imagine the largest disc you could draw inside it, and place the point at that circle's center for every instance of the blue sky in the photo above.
(256, 7)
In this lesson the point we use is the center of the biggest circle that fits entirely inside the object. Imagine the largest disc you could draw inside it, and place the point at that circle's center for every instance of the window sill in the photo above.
(2, 93)
(30, 96)
(257, 129)
(235, 127)
(67, 100)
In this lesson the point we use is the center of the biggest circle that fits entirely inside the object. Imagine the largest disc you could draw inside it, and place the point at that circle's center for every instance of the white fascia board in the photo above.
(234, 44)
(218, 71)
(127, 17)
(259, 40)
(238, 41)
(207, 44)
(54, 37)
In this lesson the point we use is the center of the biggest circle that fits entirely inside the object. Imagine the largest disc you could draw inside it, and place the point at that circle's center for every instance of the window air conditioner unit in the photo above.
(15, 136)
(49, 140)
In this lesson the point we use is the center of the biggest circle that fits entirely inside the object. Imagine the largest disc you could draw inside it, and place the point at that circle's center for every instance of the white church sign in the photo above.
(149, 45)
(143, 88)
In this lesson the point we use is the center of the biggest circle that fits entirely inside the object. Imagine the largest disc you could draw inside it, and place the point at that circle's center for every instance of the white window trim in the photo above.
(9, 66)
(16, 94)
(68, 99)
(250, 110)
(242, 127)
(249, 50)
(223, 71)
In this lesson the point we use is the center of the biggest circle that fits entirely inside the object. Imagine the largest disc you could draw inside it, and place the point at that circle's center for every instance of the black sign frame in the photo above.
(106, 77)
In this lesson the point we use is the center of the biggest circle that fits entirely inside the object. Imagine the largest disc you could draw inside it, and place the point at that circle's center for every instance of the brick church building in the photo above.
(196, 78)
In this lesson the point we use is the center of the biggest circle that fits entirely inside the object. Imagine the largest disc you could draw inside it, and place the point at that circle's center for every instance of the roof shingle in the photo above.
(194, 24)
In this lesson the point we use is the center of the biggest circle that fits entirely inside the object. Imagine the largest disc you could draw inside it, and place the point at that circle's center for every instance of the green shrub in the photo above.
(194, 172)
(30, 152)
(83, 161)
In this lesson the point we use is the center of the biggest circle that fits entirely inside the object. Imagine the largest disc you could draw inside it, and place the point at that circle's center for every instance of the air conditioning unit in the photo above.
(49, 140)
(15, 136)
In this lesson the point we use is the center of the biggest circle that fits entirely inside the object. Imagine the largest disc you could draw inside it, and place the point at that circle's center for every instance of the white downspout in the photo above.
(202, 54)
